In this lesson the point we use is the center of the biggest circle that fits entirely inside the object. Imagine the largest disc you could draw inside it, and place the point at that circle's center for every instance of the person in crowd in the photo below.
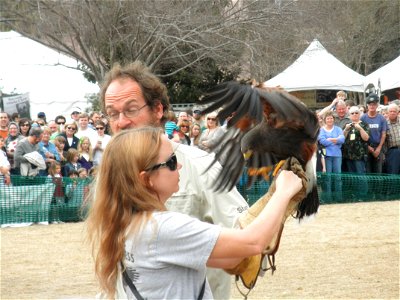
(377, 134)
(75, 116)
(4, 165)
(183, 116)
(54, 128)
(15, 117)
(11, 144)
(24, 126)
(93, 118)
(82, 173)
(332, 138)
(206, 141)
(362, 109)
(198, 118)
(55, 175)
(195, 133)
(339, 105)
(42, 115)
(355, 147)
(60, 121)
(139, 220)
(4, 120)
(72, 161)
(85, 130)
(59, 142)
(182, 135)
(134, 97)
(85, 153)
(47, 150)
(102, 142)
(93, 171)
(27, 145)
(40, 122)
(170, 125)
(393, 140)
(71, 140)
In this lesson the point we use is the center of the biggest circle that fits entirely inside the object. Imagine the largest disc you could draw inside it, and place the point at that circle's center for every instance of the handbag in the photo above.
(135, 292)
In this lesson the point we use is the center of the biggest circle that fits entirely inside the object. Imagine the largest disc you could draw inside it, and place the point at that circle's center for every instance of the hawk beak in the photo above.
(248, 154)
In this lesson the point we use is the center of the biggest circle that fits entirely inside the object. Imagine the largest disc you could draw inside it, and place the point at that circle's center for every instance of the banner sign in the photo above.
(17, 104)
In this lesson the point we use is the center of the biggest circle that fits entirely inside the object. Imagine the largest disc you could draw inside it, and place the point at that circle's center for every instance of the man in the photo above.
(53, 128)
(28, 145)
(341, 115)
(60, 121)
(4, 119)
(377, 134)
(94, 117)
(85, 130)
(198, 118)
(75, 116)
(42, 115)
(133, 97)
(393, 140)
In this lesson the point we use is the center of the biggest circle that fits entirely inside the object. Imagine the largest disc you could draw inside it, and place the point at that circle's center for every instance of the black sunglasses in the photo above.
(171, 163)
(60, 123)
(99, 128)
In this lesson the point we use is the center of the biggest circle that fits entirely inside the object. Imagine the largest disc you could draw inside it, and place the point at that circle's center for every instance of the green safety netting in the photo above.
(43, 199)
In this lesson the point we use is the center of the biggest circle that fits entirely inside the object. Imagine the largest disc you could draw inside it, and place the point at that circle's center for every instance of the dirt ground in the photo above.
(349, 251)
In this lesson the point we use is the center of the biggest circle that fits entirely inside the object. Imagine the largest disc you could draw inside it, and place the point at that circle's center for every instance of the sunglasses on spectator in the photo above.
(60, 123)
(184, 126)
(24, 125)
(211, 119)
(171, 163)
(71, 128)
(99, 128)
(41, 124)
(354, 113)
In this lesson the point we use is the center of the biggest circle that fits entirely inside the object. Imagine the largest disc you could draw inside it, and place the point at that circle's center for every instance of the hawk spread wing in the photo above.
(264, 126)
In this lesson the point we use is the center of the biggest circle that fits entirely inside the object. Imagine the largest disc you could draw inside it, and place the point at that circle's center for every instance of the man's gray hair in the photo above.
(35, 131)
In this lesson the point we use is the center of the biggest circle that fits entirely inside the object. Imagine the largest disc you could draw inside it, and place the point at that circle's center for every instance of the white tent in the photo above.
(30, 67)
(386, 77)
(317, 69)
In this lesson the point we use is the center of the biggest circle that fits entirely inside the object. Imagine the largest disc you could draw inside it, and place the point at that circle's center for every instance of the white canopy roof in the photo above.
(317, 69)
(388, 76)
(30, 67)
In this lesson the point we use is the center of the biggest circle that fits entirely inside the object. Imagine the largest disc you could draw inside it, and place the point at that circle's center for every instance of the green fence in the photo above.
(42, 199)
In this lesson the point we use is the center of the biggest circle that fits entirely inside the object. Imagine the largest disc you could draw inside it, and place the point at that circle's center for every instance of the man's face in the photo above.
(393, 114)
(83, 123)
(3, 120)
(123, 95)
(341, 110)
(95, 118)
(53, 127)
(372, 107)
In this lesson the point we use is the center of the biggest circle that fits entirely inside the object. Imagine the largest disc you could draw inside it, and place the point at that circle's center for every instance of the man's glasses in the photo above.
(60, 123)
(171, 163)
(129, 113)
(99, 128)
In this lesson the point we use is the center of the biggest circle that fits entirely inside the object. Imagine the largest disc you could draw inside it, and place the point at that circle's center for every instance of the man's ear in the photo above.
(158, 110)
(144, 177)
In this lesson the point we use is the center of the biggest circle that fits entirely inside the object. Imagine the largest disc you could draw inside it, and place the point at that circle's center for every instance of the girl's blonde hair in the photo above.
(90, 150)
(195, 138)
(122, 200)
(71, 153)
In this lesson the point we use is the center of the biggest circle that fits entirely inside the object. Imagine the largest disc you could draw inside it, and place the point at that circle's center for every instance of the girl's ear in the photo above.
(144, 177)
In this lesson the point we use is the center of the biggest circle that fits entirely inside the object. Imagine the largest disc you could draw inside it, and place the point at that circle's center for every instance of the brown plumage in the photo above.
(266, 125)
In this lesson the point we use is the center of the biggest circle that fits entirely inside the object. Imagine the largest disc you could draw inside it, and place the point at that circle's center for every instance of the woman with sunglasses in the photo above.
(69, 134)
(164, 254)
(207, 138)
(101, 143)
(24, 126)
(182, 135)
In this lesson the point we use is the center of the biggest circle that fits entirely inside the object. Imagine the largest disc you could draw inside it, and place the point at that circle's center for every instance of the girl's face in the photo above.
(58, 170)
(82, 174)
(163, 180)
(75, 159)
(85, 145)
(60, 145)
(195, 131)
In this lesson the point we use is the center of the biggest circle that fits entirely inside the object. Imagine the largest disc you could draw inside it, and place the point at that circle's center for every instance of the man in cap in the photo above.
(75, 116)
(377, 134)
(198, 118)
(42, 115)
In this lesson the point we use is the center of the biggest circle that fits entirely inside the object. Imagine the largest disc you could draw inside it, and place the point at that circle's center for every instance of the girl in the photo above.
(59, 142)
(72, 161)
(129, 223)
(195, 133)
(85, 153)
(54, 172)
